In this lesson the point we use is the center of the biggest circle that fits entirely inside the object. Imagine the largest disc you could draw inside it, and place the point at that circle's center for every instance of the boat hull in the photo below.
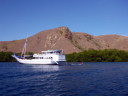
(37, 61)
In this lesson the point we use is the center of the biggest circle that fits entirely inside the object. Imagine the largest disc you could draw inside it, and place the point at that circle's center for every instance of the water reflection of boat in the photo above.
(46, 68)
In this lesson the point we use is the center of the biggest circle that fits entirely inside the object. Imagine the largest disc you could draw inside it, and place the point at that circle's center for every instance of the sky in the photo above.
(22, 18)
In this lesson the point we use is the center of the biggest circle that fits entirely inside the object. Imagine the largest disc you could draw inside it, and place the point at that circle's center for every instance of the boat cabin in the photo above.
(51, 54)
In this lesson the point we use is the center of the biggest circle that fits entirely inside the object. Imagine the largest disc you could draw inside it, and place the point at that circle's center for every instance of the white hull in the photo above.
(35, 61)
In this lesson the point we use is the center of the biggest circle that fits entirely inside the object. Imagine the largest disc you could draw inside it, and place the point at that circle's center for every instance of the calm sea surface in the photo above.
(72, 79)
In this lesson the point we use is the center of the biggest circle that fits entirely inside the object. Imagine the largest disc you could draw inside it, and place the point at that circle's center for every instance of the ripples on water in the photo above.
(72, 79)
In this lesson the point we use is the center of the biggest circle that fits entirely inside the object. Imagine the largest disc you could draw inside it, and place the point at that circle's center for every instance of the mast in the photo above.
(24, 49)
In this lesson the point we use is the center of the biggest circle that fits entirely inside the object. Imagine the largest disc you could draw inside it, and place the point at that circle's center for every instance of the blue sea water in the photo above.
(71, 79)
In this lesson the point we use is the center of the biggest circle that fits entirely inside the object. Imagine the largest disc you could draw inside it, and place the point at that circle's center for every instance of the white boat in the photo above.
(45, 57)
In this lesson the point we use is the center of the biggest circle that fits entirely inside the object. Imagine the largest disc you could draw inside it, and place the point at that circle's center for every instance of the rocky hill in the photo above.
(63, 38)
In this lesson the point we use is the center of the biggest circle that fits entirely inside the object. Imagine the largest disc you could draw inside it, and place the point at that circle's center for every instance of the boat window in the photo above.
(36, 57)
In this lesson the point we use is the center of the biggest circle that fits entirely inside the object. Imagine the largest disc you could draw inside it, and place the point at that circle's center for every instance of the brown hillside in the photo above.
(63, 38)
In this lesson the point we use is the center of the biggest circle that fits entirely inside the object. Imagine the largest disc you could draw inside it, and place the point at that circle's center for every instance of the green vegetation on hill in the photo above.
(107, 55)
(6, 57)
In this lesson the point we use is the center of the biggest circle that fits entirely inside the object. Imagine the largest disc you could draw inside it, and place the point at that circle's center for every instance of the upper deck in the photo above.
(53, 52)
(49, 53)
